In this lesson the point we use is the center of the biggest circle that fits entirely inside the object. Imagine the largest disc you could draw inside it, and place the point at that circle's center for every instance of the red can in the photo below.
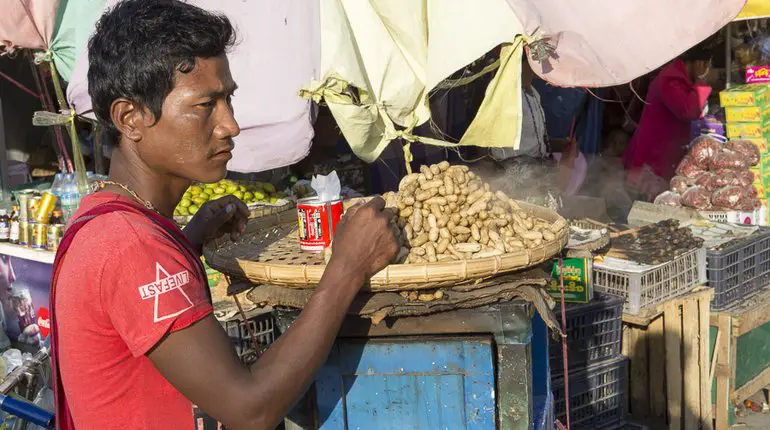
(317, 223)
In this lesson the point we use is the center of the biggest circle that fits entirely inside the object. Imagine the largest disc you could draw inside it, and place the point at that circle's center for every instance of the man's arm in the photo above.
(200, 360)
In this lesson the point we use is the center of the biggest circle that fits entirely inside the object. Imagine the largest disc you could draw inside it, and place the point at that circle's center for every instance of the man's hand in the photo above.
(227, 215)
(364, 242)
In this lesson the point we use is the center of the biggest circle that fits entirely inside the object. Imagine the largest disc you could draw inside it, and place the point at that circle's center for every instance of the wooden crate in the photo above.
(670, 381)
(731, 332)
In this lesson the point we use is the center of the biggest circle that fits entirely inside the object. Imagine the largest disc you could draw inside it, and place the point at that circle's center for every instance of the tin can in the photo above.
(317, 223)
(32, 205)
(25, 234)
(45, 207)
(24, 202)
(39, 235)
(55, 233)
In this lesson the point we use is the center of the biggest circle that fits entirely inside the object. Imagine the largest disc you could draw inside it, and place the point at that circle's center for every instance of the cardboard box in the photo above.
(748, 114)
(745, 96)
(748, 130)
(578, 280)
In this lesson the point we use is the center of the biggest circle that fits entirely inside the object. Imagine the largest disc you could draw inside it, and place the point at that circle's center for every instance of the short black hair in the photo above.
(138, 47)
(701, 52)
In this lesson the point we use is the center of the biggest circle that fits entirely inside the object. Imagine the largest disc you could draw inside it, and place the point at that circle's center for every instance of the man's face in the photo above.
(194, 137)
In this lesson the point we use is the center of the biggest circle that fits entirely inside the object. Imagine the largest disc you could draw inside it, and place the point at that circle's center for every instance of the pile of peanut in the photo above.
(447, 213)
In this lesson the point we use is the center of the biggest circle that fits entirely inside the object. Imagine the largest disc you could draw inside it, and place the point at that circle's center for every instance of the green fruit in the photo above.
(270, 188)
(230, 189)
(293, 179)
(216, 196)
(193, 209)
(199, 201)
(184, 211)
(248, 196)
(219, 190)
(238, 194)
(195, 190)
(208, 190)
(259, 196)
(273, 200)
(185, 203)
(242, 188)
(278, 195)
(176, 212)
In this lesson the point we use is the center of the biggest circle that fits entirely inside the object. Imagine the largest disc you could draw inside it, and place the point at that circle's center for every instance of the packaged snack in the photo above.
(727, 197)
(688, 168)
(706, 180)
(727, 159)
(679, 184)
(746, 148)
(703, 149)
(669, 198)
(697, 197)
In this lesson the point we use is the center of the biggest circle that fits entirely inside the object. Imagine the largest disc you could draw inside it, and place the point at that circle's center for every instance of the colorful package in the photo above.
(747, 130)
(748, 114)
(744, 96)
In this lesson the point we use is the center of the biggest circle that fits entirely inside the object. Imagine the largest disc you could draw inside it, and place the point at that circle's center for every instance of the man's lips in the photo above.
(225, 152)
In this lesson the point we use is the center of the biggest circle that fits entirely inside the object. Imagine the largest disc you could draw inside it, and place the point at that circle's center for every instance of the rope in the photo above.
(564, 342)
(252, 335)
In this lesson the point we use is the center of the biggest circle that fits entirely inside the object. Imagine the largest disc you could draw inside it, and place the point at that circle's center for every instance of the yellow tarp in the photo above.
(755, 9)
(381, 58)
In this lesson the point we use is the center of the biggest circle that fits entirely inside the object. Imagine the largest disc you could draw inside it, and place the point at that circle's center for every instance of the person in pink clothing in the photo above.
(677, 96)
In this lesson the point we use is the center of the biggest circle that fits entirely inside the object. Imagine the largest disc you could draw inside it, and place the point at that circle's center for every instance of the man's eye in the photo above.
(209, 104)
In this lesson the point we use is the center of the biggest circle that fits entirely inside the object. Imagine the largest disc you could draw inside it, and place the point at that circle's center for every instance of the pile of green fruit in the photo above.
(248, 192)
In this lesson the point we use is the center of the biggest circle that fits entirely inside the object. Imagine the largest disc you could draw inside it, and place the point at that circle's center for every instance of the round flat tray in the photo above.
(255, 211)
(268, 253)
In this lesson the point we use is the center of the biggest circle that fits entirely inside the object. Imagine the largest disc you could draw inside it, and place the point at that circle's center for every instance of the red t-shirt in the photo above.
(122, 286)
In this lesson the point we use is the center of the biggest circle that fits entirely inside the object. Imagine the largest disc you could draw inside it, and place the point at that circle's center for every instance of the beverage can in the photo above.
(45, 207)
(317, 223)
(25, 234)
(55, 233)
(24, 201)
(39, 235)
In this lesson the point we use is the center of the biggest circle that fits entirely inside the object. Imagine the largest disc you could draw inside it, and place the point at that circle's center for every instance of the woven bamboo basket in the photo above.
(268, 253)
(255, 211)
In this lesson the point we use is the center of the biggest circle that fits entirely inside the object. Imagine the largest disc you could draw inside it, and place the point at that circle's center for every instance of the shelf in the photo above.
(25, 253)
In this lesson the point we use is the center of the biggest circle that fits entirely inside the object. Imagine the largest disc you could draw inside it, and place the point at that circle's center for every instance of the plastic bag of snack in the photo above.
(748, 204)
(727, 197)
(706, 180)
(679, 184)
(669, 198)
(703, 149)
(727, 159)
(725, 177)
(745, 177)
(746, 148)
(688, 168)
(697, 197)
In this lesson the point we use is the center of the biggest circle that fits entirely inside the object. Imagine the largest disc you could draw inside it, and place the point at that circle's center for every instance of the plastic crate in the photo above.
(594, 333)
(263, 325)
(739, 271)
(653, 286)
(597, 396)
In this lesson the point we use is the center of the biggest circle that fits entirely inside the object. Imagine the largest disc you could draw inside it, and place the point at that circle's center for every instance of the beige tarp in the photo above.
(394, 52)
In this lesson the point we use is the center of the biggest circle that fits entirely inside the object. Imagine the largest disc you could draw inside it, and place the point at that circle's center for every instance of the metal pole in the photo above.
(4, 179)
(728, 55)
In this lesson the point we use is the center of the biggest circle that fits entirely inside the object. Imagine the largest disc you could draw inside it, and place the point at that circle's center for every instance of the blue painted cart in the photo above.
(484, 368)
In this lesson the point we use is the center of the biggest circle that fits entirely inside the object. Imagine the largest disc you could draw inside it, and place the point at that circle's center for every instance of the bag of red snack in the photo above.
(706, 180)
(703, 149)
(727, 197)
(748, 204)
(669, 198)
(726, 159)
(688, 168)
(679, 184)
(746, 148)
(697, 197)
(725, 177)
(745, 177)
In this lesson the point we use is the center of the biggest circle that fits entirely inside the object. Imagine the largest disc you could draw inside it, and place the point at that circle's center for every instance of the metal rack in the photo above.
(24, 382)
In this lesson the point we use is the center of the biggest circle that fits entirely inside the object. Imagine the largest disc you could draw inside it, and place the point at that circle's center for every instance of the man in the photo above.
(135, 342)
(677, 96)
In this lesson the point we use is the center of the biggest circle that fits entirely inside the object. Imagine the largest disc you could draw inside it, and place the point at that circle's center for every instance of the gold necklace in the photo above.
(145, 203)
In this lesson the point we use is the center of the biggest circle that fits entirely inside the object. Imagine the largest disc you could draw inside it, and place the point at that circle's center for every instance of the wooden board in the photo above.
(640, 395)
(673, 327)
(723, 373)
(657, 342)
(705, 370)
(691, 357)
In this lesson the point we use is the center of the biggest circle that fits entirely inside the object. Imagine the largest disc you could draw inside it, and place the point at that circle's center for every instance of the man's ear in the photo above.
(128, 118)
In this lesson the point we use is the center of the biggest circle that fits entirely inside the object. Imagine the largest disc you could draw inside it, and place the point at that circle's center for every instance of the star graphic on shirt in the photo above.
(165, 286)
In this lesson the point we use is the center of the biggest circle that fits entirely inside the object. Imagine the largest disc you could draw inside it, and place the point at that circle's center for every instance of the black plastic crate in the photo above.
(262, 324)
(597, 396)
(740, 270)
(594, 333)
